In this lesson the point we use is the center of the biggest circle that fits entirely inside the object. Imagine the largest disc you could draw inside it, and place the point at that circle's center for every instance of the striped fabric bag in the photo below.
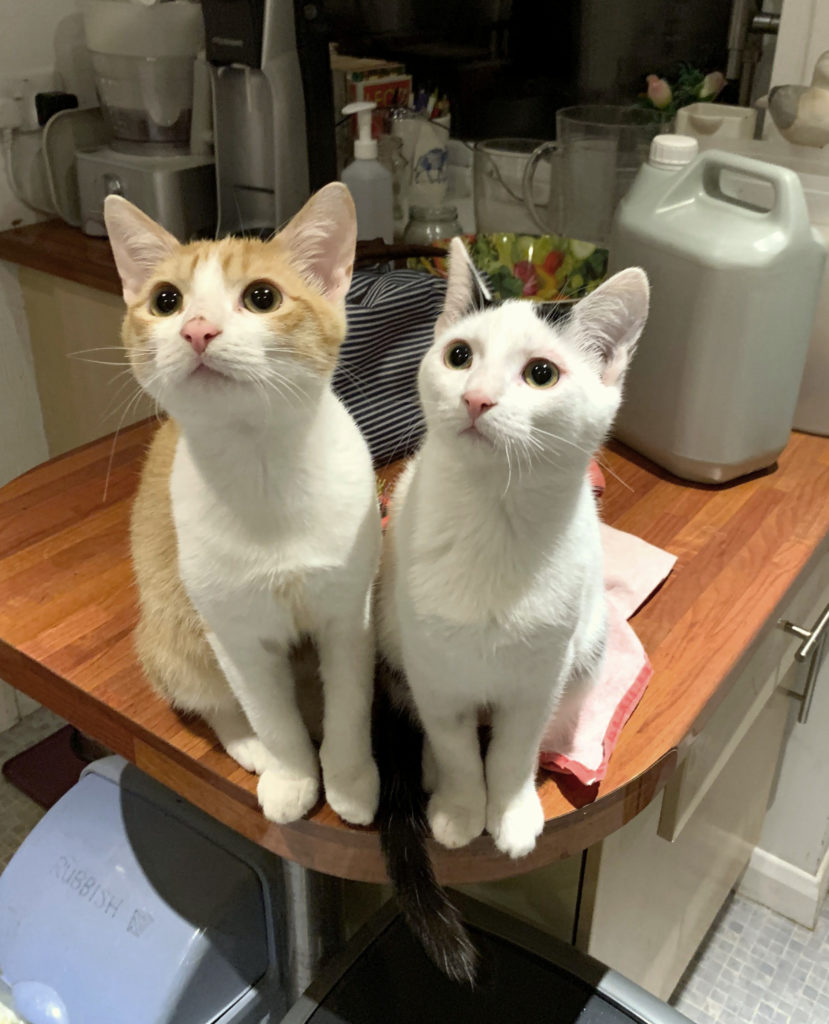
(391, 320)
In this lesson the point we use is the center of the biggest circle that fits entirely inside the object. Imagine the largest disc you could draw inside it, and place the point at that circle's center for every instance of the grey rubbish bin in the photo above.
(528, 977)
(127, 905)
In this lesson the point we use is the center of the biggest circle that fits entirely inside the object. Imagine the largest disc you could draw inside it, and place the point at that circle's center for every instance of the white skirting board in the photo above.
(784, 888)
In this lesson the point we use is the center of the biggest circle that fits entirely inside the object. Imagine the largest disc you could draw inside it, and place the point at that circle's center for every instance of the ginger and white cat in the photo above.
(492, 592)
(256, 522)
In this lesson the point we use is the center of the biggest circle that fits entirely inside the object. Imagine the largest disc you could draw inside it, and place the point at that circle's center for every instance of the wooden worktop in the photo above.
(67, 609)
(57, 248)
(54, 247)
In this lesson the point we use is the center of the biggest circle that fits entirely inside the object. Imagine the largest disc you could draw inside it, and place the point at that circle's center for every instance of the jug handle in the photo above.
(789, 206)
(529, 176)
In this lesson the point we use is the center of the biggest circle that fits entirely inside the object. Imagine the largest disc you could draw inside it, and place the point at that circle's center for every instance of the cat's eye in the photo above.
(166, 300)
(261, 297)
(458, 356)
(540, 373)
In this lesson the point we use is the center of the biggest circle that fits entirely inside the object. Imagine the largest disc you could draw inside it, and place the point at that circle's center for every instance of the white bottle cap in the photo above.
(365, 147)
(673, 151)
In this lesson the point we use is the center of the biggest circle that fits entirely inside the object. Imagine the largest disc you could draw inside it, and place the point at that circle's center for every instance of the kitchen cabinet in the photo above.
(789, 868)
(73, 330)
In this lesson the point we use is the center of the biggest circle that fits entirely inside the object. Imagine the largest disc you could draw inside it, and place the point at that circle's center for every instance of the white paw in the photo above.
(516, 827)
(354, 794)
(455, 817)
(285, 798)
(251, 753)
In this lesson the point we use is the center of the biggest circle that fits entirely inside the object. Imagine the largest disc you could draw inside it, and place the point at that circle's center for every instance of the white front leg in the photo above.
(352, 783)
(261, 678)
(457, 806)
(514, 816)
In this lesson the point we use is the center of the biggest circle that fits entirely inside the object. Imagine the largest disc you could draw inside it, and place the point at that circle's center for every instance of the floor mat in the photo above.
(47, 770)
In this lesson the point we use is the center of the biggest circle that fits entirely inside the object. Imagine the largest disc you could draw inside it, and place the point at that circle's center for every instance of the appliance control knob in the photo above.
(112, 183)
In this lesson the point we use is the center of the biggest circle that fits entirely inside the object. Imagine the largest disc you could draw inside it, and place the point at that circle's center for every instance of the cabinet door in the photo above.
(647, 902)
(73, 329)
(789, 870)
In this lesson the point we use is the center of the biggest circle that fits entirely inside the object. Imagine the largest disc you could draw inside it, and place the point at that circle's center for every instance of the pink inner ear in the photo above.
(323, 238)
(616, 367)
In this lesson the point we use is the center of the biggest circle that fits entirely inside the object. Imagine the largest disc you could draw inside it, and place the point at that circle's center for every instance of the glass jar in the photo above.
(430, 224)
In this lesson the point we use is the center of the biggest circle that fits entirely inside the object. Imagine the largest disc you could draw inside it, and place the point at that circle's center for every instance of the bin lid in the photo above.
(117, 911)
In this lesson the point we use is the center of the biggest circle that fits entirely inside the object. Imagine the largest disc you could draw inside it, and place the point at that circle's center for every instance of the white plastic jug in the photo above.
(713, 386)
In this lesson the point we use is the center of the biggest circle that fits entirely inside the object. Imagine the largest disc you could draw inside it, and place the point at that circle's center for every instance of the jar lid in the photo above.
(434, 212)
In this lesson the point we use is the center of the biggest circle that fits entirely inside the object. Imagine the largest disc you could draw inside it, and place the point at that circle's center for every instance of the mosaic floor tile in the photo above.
(755, 967)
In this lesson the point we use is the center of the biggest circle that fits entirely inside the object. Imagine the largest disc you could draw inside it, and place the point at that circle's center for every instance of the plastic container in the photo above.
(712, 123)
(368, 181)
(812, 167)
(713, 386)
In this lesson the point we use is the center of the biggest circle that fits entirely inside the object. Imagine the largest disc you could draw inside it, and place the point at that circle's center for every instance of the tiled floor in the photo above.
(755, 967)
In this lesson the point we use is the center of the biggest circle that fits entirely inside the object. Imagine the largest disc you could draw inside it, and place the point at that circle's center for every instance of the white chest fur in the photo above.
(256, 534)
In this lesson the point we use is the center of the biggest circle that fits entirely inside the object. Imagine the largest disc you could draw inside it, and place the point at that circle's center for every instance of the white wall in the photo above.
(803, 37)
(37, 36)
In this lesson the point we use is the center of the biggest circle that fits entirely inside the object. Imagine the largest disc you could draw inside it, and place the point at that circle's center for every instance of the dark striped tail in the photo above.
(425, 905)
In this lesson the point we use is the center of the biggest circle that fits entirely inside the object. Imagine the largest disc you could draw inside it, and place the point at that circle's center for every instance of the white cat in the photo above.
(492, 592)
(256, 522)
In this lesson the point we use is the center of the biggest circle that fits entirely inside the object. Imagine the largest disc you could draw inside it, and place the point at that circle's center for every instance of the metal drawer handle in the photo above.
(811, 649)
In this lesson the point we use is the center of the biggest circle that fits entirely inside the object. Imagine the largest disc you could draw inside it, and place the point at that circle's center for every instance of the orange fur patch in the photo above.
(308, 324)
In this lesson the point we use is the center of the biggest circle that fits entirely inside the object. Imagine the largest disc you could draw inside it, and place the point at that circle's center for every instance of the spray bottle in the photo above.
(368, 180)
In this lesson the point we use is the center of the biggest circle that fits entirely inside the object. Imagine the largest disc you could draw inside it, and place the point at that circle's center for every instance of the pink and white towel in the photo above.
(633, 570)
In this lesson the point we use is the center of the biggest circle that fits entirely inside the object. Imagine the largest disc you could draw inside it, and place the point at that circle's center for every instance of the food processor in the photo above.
(154, 92)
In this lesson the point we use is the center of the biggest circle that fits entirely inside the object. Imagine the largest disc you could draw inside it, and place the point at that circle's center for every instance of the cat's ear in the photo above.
(138, 244)
(610, 319)
(463, 287)
(322, 239)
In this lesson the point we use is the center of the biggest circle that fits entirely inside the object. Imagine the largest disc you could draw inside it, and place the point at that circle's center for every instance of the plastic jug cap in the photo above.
(673, 151)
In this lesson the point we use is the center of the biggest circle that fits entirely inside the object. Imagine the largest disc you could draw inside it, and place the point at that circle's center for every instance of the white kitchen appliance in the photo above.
(154, 96)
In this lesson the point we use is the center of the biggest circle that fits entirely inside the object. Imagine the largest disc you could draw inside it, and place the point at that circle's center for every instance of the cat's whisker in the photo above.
(609, 469)
(509, 470)
(118, 397)
(274, 378)
(354, 378)
(593, 455)
(135, 398)
(102, 362)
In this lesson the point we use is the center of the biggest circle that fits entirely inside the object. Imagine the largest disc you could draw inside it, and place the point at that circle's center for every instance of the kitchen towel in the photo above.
(582, 748)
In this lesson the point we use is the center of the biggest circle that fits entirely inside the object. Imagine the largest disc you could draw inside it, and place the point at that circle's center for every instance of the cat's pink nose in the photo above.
(199, 332)
(477, 403)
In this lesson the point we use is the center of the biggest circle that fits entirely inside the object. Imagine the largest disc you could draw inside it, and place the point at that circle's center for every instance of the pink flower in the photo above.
(659, 92)
(525, 271)
(711, 85)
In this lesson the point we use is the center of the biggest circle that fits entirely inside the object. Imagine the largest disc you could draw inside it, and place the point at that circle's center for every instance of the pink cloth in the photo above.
(633, 570)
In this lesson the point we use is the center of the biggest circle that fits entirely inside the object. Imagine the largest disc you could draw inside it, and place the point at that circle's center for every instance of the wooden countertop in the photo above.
(57, 248)
(54, 247)
(67, 608)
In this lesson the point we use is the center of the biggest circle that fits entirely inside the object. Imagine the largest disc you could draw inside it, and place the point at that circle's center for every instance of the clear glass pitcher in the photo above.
(591, 165)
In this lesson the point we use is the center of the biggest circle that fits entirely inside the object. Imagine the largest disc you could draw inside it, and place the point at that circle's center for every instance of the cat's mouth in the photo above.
(472, 432)
(205, 372)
